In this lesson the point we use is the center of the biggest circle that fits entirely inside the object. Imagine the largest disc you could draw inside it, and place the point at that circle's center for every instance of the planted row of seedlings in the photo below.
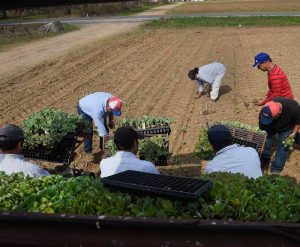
(232, 197)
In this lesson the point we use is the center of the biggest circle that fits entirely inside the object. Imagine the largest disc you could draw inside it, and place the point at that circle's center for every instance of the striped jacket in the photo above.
(279, 85)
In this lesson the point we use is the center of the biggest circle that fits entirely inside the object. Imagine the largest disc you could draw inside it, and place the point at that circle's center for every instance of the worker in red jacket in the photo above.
(278, 82)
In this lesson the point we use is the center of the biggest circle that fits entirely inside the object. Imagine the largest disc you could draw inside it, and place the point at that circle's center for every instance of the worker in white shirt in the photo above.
(126, 140)
(11, 158)
(98, 107)
(212, 74)
(230, 157)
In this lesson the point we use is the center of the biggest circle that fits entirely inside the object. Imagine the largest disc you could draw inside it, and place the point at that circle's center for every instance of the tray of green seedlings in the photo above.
(50, 135)
(148, 125)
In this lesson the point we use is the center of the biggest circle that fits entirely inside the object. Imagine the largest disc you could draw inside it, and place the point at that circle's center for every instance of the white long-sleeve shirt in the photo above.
(123, 161)
(94, 105)
(14, 163)
(236, 159)
(207, 73)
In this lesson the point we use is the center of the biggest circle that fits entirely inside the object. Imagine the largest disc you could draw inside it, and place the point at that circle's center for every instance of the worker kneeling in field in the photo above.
(281, 117)
(98, 107)
(231, 157)
(212, 74)
(11, 158)
(126, 140)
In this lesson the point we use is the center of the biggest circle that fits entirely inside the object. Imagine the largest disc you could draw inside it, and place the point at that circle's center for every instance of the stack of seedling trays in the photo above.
(248, 138)
(62, 152)
(157, 184)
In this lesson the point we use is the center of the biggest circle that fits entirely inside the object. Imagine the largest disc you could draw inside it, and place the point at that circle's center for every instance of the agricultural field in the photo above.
(148, 69)
(220, 6)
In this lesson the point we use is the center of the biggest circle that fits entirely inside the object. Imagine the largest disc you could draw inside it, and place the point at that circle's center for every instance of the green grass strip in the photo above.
(225, 21)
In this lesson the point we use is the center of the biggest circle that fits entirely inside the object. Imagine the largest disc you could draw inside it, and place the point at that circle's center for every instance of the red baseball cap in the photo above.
(115, 104)
(269, 111)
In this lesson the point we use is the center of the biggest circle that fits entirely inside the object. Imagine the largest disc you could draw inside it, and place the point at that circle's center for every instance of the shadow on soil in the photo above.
(224, 89)
(185, 165)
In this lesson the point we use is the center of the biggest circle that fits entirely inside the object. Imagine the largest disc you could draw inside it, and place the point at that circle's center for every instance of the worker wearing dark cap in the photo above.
(126, 140)
(231, 157)
(11, 158)
(279, 117)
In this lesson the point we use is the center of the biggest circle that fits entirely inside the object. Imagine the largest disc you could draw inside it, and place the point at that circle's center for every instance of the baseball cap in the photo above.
(125, 136)
(115, 104)
(218, 135)
(268, 112)
(11, 132)
(260, 58)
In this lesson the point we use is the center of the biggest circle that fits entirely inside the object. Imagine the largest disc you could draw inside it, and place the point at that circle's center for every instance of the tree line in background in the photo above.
(82, 10)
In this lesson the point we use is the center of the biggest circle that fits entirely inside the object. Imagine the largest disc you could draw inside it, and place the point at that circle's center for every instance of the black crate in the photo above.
(247, 138)
(156, 130)
(163, 185)
(61, 153)
(245, 143)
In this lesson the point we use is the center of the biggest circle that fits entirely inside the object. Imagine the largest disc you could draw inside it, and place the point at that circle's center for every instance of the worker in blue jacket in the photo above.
(98, 107)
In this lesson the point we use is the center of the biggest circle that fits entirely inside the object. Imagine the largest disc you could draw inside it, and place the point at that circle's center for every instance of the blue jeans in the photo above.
(281, 152)
(88, 142)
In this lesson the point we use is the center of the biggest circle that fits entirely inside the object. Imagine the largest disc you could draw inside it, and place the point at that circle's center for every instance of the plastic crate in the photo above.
(247, 138)
(61, 153)
(156, 131)
(163, 185)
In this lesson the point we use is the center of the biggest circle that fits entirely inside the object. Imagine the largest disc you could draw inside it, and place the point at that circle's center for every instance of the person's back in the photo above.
(123, 161)
(231, 157)
(11, 158)
(126, 140)
(236, 159)
(209, 72)
(14, 163)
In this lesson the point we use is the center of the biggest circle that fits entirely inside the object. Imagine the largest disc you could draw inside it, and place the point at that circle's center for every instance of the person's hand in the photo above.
(259, 103)
(198, 95)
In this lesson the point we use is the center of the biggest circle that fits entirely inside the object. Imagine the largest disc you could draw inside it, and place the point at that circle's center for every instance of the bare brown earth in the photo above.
(237, 6)
(148, 70)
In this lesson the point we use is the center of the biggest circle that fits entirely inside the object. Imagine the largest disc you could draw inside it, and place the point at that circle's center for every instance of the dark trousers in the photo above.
(88, 142)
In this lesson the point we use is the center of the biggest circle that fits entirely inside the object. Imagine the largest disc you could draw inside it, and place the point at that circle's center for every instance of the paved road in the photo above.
(117, 19)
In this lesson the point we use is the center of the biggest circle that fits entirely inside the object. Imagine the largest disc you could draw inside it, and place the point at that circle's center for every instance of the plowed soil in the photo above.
(148, 70)
(212, 6)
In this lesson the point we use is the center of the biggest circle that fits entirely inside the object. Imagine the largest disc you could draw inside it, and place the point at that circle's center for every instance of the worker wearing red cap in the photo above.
(281, 117)
(98, 107)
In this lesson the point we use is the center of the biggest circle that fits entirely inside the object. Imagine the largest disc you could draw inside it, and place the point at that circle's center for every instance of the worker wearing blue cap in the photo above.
(278, 82)
(231, 157)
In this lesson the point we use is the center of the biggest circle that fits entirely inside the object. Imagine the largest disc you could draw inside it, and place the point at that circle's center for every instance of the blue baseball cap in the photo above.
(260, 58)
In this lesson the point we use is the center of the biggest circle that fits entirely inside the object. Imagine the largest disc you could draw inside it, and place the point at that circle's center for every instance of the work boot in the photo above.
(89, 157)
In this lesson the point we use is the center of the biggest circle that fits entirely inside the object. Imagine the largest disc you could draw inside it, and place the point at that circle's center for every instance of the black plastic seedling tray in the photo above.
(245, 143)
(163, 185)
(155, 131)
(61, 153)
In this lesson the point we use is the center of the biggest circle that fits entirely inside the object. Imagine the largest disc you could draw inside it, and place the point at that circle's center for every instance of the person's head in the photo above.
(11, 139)
(192, 73)
(262, 61)
(269, 112)
(219, 137)
(114, 105)
(126, 139)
